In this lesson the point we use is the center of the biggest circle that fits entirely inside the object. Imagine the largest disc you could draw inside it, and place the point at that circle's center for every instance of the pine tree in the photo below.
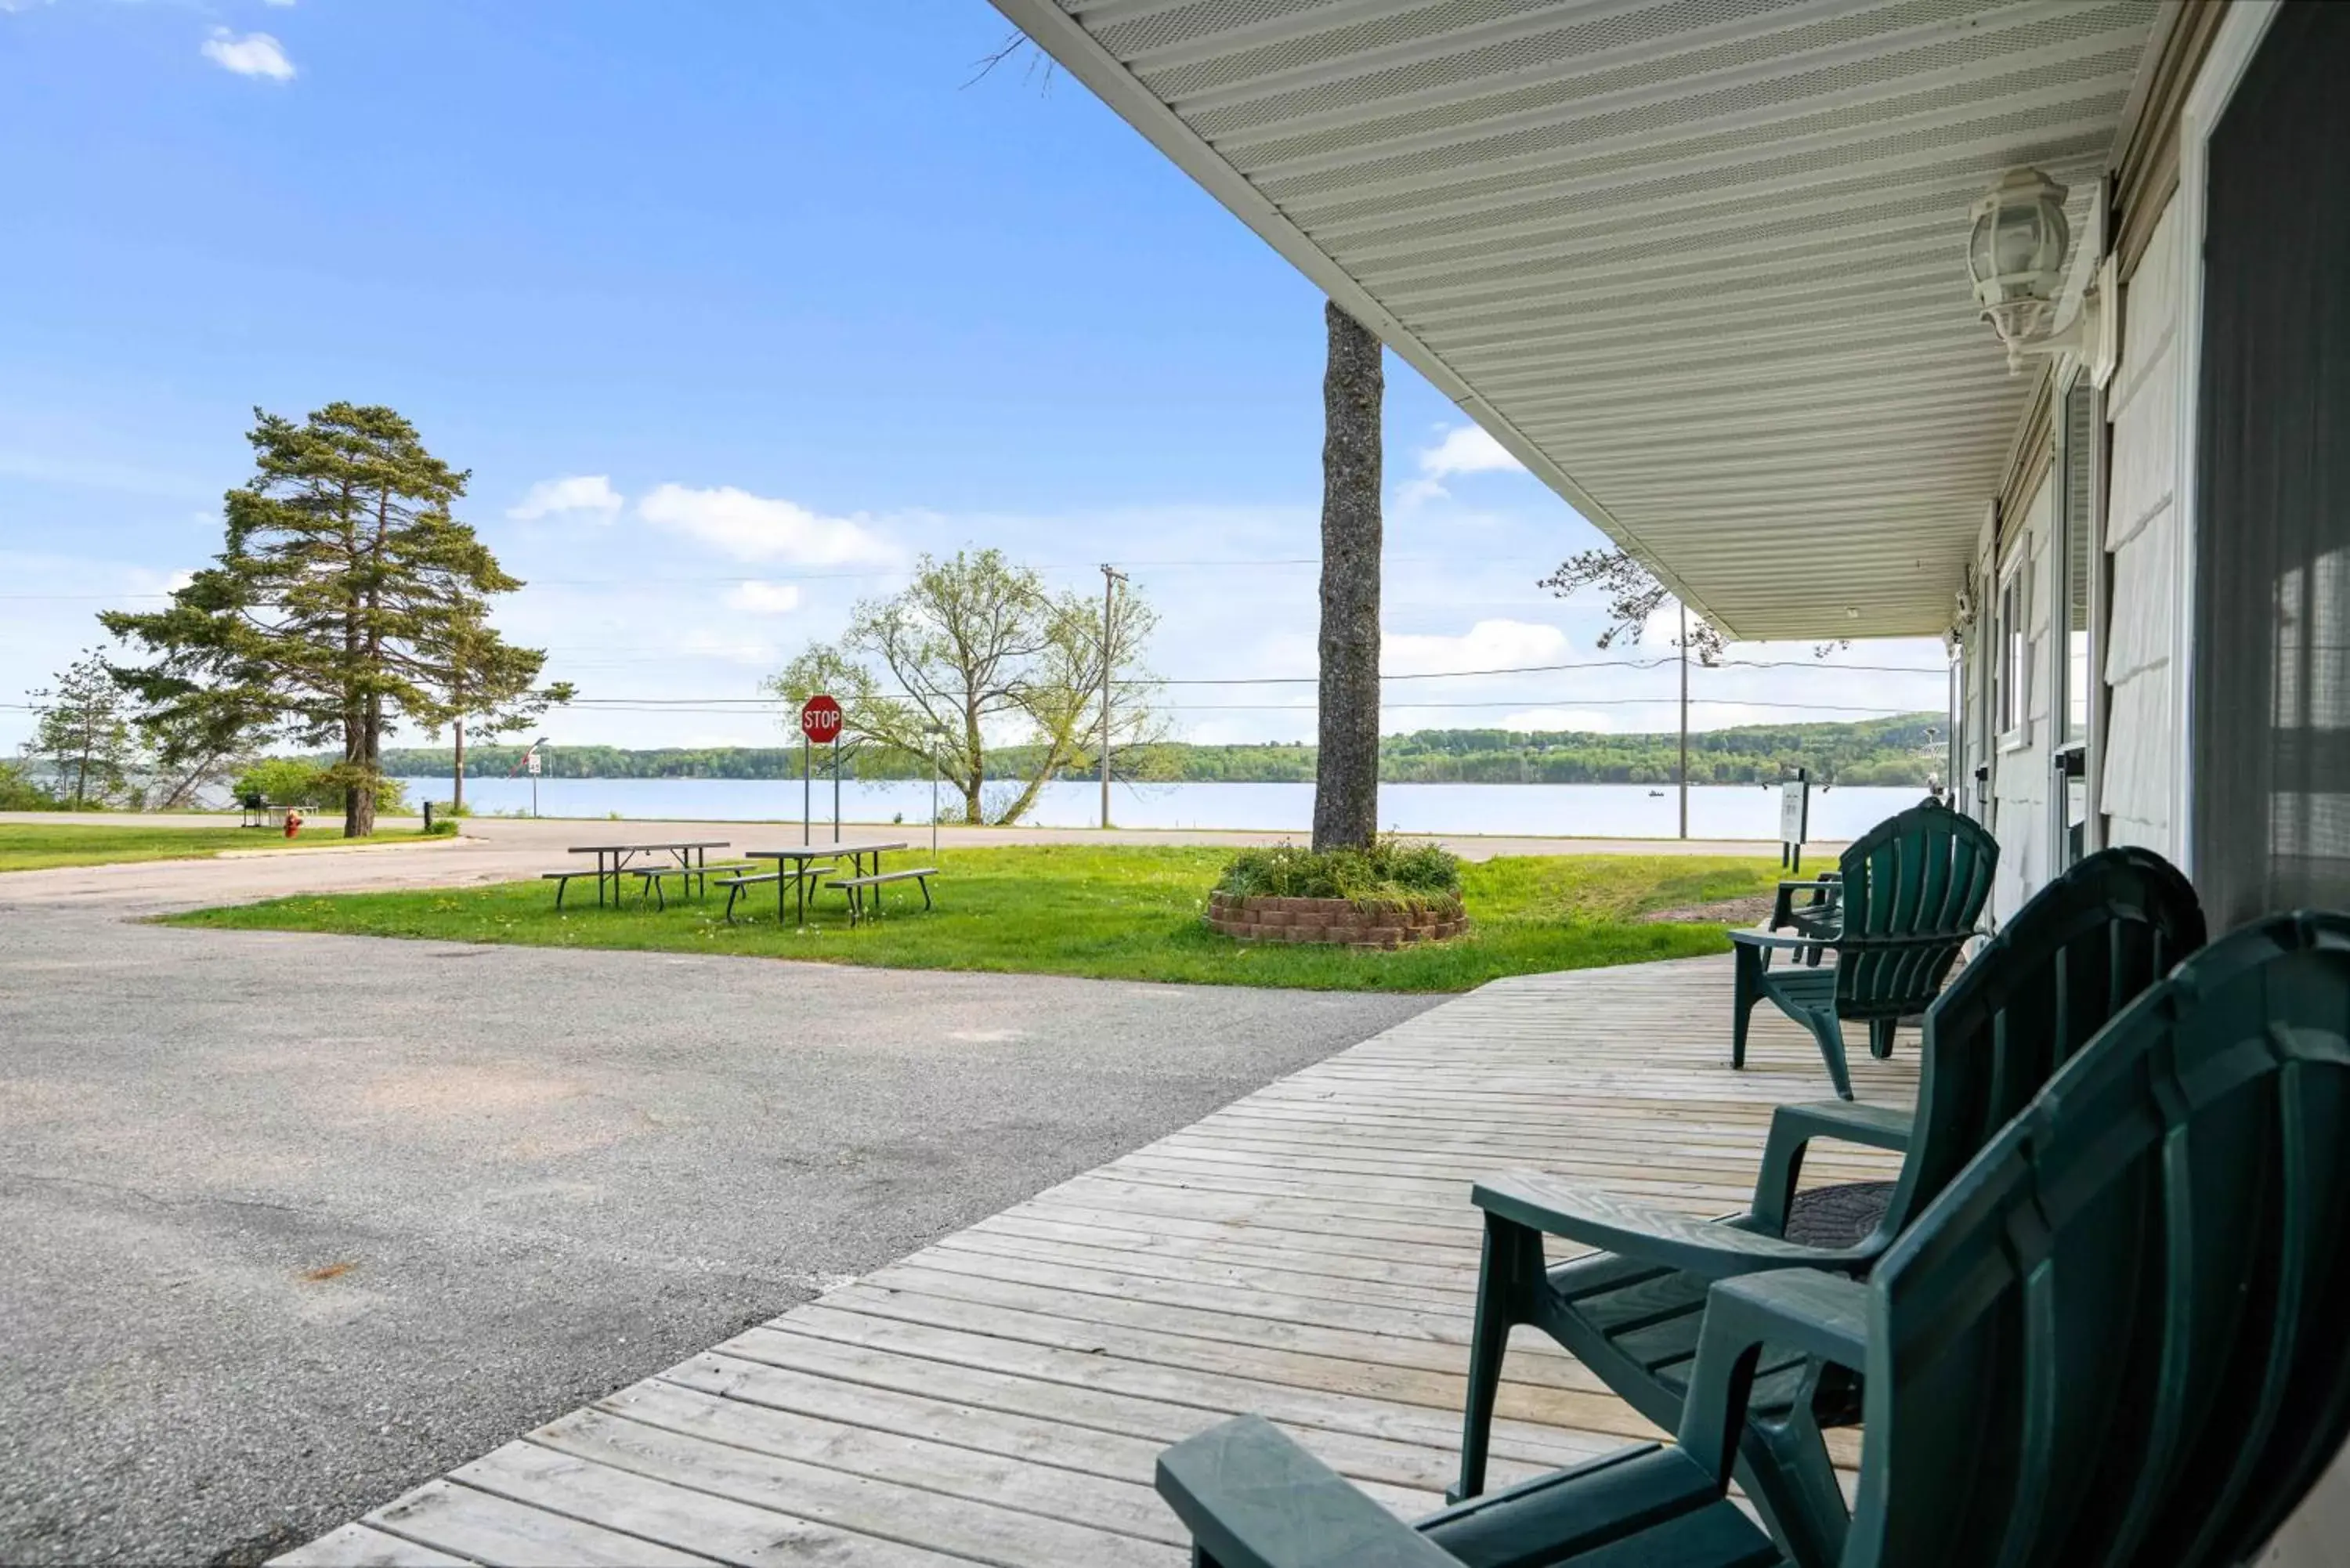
(489, 687)
(347, 595)
(82, 726)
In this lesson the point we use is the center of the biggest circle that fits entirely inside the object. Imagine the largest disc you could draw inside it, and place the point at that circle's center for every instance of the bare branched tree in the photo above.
(1038, 67)
(1634, 594)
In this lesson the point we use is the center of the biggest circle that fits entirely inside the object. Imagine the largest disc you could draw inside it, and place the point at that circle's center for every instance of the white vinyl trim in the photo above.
(1699, 265)
(2232, 49)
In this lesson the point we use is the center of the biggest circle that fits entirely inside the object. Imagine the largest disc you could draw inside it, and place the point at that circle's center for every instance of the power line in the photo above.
(748, 705)
(1437, 675)
(750, 573)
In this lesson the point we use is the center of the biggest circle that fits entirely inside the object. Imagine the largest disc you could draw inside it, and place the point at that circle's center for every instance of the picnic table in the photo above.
(692, 857)
(800, 873)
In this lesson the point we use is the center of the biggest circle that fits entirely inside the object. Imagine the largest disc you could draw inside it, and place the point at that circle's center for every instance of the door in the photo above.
(2270, 700)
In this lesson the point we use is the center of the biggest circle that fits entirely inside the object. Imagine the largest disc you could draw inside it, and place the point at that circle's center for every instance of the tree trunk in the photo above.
(457, 774)
(974, 813)
(353, 723)
(360, 822)
(1346, 772)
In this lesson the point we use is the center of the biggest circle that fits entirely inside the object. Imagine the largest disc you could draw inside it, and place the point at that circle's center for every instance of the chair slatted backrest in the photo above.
(1913, 887)
(2087, 945)
(2121, 1338)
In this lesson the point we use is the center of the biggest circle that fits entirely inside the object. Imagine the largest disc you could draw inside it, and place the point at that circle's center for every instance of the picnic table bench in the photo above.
(855, 888)
(750, 878)
(652, 880)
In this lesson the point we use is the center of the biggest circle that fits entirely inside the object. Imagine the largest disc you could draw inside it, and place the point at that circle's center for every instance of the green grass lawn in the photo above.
(1112, 912)
(27, 847)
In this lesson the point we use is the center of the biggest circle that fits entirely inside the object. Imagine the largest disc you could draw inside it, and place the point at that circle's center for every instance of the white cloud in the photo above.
(764, 528)
(281, 4)
(1487, 645)
(1582, 721)
(588, 492)
(254, 54)
(1467, 449)
(1463, 449)
(754, 598)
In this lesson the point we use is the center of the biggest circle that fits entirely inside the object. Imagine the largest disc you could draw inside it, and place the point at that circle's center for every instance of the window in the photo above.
(2078, 557)
(2074, 668)
(2012, 653)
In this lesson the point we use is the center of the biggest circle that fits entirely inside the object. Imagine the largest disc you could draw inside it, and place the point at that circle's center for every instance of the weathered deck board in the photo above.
(1307, 1252)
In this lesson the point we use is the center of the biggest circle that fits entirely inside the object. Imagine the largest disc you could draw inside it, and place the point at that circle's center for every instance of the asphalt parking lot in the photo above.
(293, 1222)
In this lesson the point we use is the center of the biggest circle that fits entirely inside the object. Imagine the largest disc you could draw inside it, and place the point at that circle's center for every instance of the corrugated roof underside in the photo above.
(1705, 256)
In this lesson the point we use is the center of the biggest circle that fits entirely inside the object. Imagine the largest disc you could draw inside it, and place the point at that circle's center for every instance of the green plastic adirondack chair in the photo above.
(1909, 894)
(2113, 1342)
(2084, 948)
(1818, 911)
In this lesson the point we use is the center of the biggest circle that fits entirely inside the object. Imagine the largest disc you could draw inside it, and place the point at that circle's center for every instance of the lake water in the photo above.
(1590, 811)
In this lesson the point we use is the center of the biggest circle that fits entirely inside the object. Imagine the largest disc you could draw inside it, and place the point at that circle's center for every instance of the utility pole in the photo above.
(1684, 721)
(1111, 578)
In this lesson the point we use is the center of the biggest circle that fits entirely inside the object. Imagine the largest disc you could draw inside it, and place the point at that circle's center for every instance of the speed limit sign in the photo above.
(820, 719)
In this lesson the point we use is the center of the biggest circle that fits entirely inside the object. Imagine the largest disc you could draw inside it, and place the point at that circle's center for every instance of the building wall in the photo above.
(2143, 538)
(2020, 758)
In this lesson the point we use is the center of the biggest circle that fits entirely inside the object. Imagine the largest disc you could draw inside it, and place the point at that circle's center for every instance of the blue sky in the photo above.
(732, 309)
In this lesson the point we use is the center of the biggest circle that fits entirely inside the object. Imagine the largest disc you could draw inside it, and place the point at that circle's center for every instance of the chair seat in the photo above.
(1648, 1318)
(1813, 990)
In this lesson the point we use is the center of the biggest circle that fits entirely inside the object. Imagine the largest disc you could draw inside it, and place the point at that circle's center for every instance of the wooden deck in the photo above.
(1307, 1252)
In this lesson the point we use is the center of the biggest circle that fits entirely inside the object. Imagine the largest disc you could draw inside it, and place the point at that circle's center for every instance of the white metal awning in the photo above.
(1699, 263)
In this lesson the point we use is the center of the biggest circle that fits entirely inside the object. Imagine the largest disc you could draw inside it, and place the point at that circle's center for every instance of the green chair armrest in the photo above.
(1707, 1248)
(1765, 939)
(1803, 1310)
(1253, 1499)
(1783, 905)
(1792, 1130)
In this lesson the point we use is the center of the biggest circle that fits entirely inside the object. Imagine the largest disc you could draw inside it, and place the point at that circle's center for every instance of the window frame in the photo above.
(2011, 687)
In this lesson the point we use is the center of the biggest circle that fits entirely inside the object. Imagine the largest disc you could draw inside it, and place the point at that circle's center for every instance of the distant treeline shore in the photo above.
(1884, 752)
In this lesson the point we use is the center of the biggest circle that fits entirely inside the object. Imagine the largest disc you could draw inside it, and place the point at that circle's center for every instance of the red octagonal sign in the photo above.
(820, 719)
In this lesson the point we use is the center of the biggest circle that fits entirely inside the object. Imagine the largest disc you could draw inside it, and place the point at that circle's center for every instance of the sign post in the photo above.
(1794, 819)
(819, 725)
(530, 761)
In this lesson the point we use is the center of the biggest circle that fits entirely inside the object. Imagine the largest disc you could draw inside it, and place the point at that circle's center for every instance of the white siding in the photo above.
(2020, 762)
(2142, 735)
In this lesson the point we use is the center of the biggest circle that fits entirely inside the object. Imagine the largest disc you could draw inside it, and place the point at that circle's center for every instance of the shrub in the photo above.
(1392, 870)
(19, 792)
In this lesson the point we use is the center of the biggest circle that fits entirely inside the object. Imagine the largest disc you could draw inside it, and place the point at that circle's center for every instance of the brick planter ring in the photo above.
(1336, 921)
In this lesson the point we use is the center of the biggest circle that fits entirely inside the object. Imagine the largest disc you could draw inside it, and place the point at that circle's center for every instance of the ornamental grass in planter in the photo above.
(1389, 895)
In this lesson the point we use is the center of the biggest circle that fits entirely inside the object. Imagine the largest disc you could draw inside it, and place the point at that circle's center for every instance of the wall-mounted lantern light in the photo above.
(2015, 254)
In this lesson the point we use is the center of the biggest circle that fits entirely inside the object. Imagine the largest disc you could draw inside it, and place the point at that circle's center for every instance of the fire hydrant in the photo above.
(293, 823)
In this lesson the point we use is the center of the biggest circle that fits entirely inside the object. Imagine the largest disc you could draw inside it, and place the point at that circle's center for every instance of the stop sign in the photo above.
(820, 719)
